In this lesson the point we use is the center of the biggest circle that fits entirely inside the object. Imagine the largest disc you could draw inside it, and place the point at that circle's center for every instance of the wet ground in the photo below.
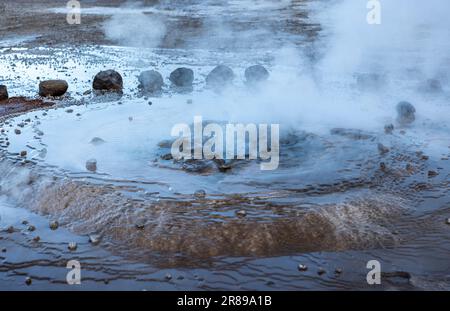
(335, 202)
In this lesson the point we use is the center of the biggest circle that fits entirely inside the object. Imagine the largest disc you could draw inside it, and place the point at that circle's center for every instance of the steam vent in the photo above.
(224, 145)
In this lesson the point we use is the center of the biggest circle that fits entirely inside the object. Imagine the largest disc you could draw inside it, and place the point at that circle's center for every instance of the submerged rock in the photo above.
(182, 77)
(91, 165)
(150, 81)
(256, 74)
(405, 113)
(3, 92)
(53, 88)
(220, 77)
(108, 80)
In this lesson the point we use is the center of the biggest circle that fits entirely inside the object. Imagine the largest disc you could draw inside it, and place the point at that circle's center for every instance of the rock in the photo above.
(338, 271)
(382, 149)
(431, 86)
(370, 81)
(31, 228)
(53, 88)
(3, 92)
(182, 77)
(3, 250)
(220, 77)
(17, 131)
(447, 221)
(241, 213)
(72, 246)
(91, 165)
(108, 80)
(302, 268)
(256, 74)
(432, 174)
(200, 194)
(150, 81)
(405, 113)
(97, 141)
(69, 110)
(54, 225)
(140, 224)
(389, 128)
(36, 238)
(10, 229)
(28, 281)
(168, 276)
(167, 156)
(321, 271)
(24, 222)
(94, 239)
(23, 153)
(382, 166)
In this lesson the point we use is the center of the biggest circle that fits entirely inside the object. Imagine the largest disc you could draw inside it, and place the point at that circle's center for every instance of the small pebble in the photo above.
(23, 153)
(200, 194)
(25, 222)
(168, 276)
(31, 228)
(69, 110)
(94, 239)
(54, 225)
(17, 131)
(321, 271)
(3, 250)
(338, 271)
(383, 166)
(72, 246)
(241, 213)
(36, 238)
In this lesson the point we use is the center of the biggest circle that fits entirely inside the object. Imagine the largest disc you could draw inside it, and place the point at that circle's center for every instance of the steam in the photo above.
(135, 29)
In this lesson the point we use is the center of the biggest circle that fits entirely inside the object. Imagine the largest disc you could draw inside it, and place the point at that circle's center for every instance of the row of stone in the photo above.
(152, 81)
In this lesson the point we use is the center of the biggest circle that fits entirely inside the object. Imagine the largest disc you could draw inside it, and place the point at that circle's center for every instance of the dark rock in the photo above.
(220, 77)
(150, 81)
(168, 276)
(167, 156)
(256, 74)
(182, 77)
(28, 281)
(200, 194)
(321, 271)
(17, 131)
(3, 92)
(302, 268)
(23, 153)
(36, 238)
(108, 80)
(431, 86)
(405, 113)
(91, 165)
(447, 221)
(432, 173)
(338, 271)
(97, 141)
(31, 228)
(382, 166)
(53, 88)
(72, 246)
(140, 224)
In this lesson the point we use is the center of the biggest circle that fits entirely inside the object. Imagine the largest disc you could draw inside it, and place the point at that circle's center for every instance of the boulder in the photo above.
(3, 92)
(256, 74)
(53, 88)
(405, 113)
(150, 81)
(108, 80)
(219, 77)
(182, 77)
